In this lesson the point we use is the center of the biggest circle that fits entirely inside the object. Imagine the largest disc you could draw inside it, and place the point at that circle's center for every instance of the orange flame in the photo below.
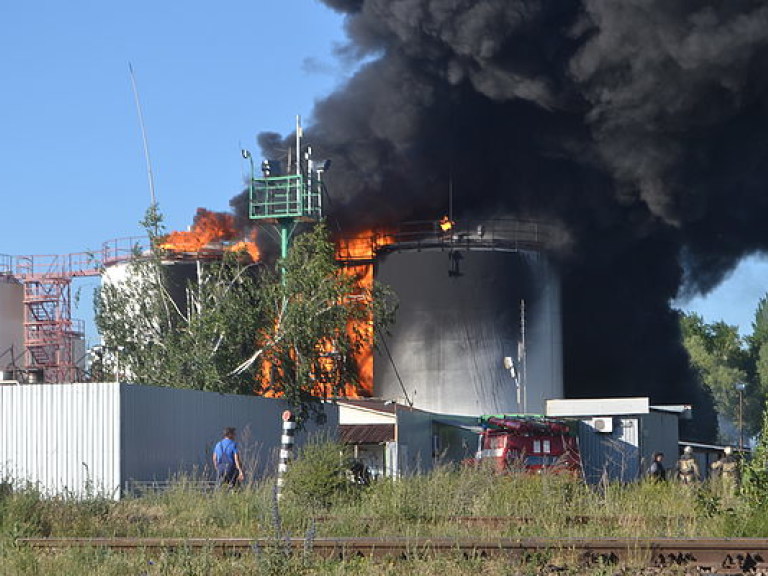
(208, 227)
(248, 246)
(446, 224)
(357, 253)
(362, 247)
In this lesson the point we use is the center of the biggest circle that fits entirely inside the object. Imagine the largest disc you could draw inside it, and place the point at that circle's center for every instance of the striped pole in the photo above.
(286, 449)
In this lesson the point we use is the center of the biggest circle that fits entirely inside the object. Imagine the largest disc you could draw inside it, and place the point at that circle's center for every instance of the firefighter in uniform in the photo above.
(657, 472)
(727, 471)
(687, 470)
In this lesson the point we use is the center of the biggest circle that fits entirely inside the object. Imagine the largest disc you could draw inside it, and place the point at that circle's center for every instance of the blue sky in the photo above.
(736, 299)
(210, 77)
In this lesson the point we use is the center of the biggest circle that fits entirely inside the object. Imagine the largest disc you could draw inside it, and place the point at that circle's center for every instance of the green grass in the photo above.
(415, 506)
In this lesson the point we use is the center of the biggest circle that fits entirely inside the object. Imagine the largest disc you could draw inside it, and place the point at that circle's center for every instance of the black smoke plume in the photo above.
(640, 127)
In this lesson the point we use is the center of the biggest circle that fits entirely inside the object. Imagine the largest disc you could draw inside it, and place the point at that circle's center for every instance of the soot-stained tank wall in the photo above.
(459, 317)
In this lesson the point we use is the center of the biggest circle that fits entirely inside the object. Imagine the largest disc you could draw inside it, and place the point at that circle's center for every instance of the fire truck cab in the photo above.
(532, 443)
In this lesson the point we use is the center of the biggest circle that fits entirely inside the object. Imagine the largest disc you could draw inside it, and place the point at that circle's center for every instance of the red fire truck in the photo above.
(533, 443)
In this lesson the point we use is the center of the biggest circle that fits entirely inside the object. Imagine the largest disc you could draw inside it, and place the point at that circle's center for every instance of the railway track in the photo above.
(501, 522)
(715, 555)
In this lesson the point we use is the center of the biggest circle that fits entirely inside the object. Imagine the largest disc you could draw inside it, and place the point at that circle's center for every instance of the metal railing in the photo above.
(498, 234)
(284, 197)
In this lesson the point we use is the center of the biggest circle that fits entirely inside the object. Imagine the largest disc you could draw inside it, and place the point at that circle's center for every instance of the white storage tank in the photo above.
(178, 273)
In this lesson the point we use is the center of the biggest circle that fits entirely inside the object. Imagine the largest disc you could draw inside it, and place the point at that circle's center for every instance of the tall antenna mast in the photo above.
(298, 145)
(153, 198)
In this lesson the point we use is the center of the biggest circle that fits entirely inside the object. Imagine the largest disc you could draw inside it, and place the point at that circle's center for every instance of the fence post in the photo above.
(286, 449)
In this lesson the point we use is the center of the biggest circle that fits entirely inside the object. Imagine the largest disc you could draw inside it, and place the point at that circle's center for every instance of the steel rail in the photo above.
(725, 555)
(509, 521)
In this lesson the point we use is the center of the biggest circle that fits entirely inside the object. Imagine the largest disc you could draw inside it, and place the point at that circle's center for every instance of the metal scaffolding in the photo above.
(50, 332)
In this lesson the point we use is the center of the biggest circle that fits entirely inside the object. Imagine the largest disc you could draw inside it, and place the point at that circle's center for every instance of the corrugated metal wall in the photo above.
(63, 437)
(614, 455)
(626, 453)
(660, 433)
(97, 438)
(414, 438)
(171, 431)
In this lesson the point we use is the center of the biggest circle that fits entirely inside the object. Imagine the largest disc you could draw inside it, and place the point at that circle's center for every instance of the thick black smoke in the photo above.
(639, 126)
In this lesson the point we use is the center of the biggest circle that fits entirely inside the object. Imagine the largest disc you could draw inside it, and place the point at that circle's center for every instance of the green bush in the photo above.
(23, 513)
(318, 475)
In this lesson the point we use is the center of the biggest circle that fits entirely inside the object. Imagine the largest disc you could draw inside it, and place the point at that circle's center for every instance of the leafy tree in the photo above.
(755, 485)
(194, 344)
(721, 358)
(758, 344)
(760, 323)
(292, 330)
(319, 319)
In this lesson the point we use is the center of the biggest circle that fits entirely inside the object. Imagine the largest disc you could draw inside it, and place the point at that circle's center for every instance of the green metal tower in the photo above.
(287, 200)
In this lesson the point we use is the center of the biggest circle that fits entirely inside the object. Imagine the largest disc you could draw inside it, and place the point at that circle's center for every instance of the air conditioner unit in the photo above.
(604, 424)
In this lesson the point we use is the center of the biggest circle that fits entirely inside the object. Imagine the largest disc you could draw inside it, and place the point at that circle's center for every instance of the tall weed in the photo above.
(319, 501)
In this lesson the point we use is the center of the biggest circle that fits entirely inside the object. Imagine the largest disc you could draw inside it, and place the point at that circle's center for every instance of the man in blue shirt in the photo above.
(226, 460)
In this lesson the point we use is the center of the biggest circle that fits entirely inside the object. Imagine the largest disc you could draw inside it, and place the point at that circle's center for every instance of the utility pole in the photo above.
(740, 387)
(522, 358)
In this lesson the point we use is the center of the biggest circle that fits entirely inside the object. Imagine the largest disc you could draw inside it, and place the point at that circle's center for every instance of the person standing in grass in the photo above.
(656, 471)
(726, 471)
(687, 468)
(226, 460)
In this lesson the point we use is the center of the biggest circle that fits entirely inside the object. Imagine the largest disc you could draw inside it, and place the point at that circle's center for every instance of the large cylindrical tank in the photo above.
(478, 330)
(11, 321)
(178, 275)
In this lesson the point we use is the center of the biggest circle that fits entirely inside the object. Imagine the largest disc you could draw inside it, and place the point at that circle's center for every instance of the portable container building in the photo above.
(393, 440)
(618, 436)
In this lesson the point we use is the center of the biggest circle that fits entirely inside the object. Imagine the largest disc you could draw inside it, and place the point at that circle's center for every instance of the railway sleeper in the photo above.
(730, 562)
(669, 559)
(712, 561)
(603, 558)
